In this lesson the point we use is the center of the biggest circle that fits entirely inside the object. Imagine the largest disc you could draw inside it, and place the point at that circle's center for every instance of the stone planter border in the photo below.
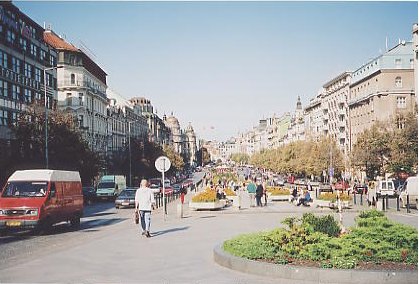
(317, 275)
(207, 205)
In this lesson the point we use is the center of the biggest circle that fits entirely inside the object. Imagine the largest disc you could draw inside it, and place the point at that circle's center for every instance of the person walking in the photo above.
(144, 202)
(259, 193)
(251, 189)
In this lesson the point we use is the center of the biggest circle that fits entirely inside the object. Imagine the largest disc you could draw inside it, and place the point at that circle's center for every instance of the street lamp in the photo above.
(129, 150)
(46, 111)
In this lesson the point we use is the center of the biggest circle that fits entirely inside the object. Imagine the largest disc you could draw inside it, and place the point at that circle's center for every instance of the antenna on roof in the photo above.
(87, 50)
(386, 44)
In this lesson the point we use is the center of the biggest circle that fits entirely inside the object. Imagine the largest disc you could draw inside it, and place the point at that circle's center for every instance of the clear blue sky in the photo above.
(226, 64)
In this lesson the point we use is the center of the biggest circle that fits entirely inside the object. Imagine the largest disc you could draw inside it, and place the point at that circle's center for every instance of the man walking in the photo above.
(144, 201)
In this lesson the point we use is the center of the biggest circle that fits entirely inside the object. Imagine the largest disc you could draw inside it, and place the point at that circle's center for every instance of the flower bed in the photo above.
(374, 240)
(229, 192)
(329, 196)
(277, 191)
(206, 199)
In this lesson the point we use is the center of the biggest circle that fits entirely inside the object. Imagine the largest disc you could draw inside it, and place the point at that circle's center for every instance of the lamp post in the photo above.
(129, 150)
(46, 112)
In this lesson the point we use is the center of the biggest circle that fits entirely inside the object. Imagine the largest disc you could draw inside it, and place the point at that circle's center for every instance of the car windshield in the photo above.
(127, 193)
(25, 189)
(106, 185)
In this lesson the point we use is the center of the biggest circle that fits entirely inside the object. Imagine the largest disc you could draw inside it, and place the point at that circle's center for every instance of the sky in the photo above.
(223, 66)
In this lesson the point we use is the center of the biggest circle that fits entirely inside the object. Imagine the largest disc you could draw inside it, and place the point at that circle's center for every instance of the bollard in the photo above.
(354, 198)
(386, 201)
(408, 204)
(317, 192)
(398, 203)
(384, 205)
(361, 198)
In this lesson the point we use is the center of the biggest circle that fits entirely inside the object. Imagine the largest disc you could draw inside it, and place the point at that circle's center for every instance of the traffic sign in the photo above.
(162, 164)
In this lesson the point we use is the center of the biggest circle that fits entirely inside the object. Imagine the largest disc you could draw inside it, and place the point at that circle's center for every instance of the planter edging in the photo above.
(317, 275)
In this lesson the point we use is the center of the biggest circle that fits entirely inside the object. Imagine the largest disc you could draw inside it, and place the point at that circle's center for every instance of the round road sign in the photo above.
(162, 164)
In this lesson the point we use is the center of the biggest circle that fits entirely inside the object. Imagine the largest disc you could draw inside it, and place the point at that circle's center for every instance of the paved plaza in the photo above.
(180, 251)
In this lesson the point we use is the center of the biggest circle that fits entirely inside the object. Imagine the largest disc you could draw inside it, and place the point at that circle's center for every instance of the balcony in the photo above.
(68, 84)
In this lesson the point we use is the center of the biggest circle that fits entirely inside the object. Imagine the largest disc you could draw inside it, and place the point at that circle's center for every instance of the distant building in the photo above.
(296, 129)
(382, 89)
(315, 118)
(158, 132)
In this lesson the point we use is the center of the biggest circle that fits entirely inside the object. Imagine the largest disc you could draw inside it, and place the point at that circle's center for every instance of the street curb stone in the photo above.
(316, 275)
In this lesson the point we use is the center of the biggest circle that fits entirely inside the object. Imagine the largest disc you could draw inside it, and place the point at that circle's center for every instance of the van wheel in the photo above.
(44, 227)
(75, 221)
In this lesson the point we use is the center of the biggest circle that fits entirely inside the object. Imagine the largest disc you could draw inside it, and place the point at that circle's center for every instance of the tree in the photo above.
(66, 148)
(176, 160)
(240, 158)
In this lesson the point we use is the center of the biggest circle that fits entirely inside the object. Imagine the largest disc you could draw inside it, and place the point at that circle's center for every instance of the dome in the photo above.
(189, 130)
(172, 122)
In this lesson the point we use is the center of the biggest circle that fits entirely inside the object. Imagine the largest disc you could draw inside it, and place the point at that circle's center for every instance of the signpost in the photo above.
(163, 164)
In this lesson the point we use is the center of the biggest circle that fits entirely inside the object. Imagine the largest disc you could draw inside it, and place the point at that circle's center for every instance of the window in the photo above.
(80, 99)
(11, 37)
(28, 70)
(400, 122)
(16, 65)
(3, 117)
(398, 63)
(412, 64)
(15, 92)
(38, 74)
(3, 88)
(3, 59)
(28, 96)
(401, 102)
(23, 44)
(73, 79)
(68, 99)
(42, 55)
(398, 82)
(34, 50)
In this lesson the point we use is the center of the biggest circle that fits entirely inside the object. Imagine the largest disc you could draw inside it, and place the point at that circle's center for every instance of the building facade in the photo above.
(335, 97)
(25, 58)
(158, 132)
(82, 91)
(382, 89)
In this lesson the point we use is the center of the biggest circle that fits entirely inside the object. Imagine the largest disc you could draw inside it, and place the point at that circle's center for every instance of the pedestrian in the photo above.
(144, 202)
(265, 193)
(251, 189)
(259, 193)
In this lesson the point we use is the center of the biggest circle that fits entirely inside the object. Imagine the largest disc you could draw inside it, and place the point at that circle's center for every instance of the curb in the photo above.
(316, 275)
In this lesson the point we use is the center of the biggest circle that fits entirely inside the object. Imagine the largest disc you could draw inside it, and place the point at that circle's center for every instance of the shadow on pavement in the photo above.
(158, 233)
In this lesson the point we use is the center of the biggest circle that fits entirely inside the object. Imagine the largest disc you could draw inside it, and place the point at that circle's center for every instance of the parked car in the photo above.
(360, 188)
(410, 189)
(126, 198)
(341, 185)
(325, 188)
(89, 194)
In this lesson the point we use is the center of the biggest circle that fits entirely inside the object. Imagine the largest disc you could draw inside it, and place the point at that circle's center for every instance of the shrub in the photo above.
(325, 224)
(316, 238)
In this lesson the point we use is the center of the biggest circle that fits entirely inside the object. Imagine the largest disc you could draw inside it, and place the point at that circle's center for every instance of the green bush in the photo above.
(374, 239)
(326, 224)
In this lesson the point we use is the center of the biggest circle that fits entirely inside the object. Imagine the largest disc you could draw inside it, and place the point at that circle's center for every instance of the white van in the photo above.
(386, 187)
(411, 189)
(110, 186)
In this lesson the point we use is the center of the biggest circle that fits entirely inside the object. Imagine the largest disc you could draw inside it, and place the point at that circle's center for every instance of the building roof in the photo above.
(57, 42)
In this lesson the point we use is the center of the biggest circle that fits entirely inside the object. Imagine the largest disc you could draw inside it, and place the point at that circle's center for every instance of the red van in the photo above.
(37, 199)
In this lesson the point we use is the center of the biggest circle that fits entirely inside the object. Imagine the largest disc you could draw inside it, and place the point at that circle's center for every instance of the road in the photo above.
(108, 248)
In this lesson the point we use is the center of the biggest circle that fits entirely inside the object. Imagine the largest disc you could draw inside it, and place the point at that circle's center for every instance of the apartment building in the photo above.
(382, 89)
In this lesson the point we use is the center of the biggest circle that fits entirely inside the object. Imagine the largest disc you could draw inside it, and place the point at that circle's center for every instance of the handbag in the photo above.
(136, 217)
